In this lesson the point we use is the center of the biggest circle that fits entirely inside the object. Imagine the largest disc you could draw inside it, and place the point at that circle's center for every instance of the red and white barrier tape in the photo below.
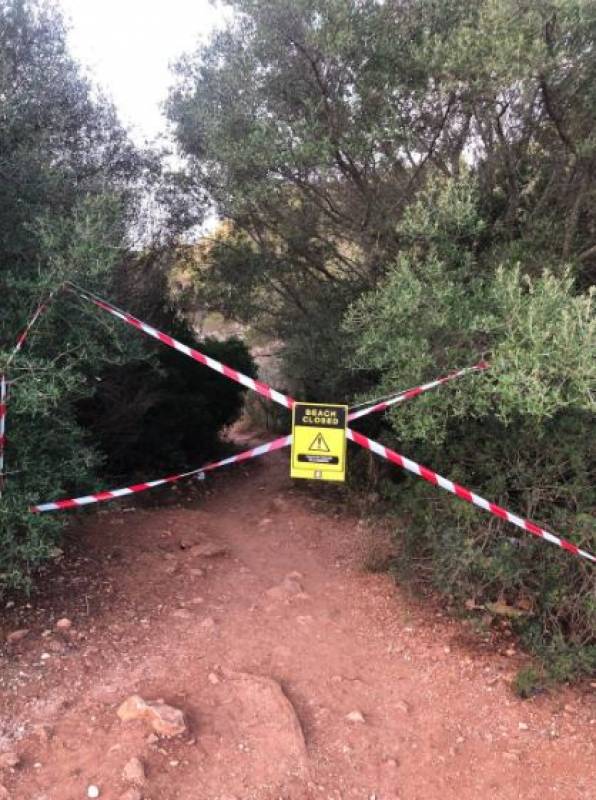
(114, 494)
(41, 308)
(409, 393)
(369, 444)
(2, 427)
(465, 494)
(253, 453)
(233, 374)
(278, 397)
(22, 338)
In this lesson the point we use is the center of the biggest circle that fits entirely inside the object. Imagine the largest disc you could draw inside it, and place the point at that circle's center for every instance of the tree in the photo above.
(407, 185)
(519, 434)
(313, 125)
(69, 184)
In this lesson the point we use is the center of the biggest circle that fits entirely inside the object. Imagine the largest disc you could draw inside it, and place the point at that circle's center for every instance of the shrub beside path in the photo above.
(298, 674)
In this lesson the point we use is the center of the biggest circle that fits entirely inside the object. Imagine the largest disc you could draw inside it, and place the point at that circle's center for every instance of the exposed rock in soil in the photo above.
(209, 550)
(182, 613)
(131, 794)
(134, 772)
(288, 587)
(355, 716)
(43, 731)
(164, 719)
(17, 636)
(9, 760)
(266, 720)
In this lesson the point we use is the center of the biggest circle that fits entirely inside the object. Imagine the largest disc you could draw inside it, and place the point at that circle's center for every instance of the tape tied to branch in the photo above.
(400, 397)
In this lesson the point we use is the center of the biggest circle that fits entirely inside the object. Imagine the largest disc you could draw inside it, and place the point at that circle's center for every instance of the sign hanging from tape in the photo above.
(319, 442)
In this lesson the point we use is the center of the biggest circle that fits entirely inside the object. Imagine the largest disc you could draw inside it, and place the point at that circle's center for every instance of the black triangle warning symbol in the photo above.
(319, 444)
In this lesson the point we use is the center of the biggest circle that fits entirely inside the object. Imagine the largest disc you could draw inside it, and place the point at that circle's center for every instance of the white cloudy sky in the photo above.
(127, 46)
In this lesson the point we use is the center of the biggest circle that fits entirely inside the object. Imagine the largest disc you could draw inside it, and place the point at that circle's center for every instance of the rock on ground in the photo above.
(164, 719)
(9, 760)
(209, 550)
(17, 636)
(355, 716)
(134, 772)
(288, 587)
(131, 794)
(266, 720)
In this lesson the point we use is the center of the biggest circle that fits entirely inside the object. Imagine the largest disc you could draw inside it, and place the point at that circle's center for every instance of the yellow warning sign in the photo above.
(319, 441)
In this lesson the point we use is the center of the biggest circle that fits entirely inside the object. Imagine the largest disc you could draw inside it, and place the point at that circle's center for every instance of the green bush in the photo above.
(528, 682)
(165, 413)
(69, 178)
(519, 434)
(70, 181)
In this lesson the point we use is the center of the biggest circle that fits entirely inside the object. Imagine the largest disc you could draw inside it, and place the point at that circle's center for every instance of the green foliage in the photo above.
(518, 434)
(285, 126)
(48, 453)
(563, 660)
(315, 126)
(441, 306)
(409, 187)
(527, 683)
(165, 413)
(67, 172)
(70, 182)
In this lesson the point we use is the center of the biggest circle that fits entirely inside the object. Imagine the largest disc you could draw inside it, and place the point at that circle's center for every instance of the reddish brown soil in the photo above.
(149, 617)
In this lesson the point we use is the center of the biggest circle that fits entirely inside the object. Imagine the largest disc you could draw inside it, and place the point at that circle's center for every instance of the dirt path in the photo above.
(380, 697)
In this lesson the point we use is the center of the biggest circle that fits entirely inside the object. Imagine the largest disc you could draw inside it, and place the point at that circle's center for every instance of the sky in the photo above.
(128, 45)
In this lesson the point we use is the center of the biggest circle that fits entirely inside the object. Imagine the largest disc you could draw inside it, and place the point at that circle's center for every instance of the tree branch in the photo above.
(586, 254)
(554, 115)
